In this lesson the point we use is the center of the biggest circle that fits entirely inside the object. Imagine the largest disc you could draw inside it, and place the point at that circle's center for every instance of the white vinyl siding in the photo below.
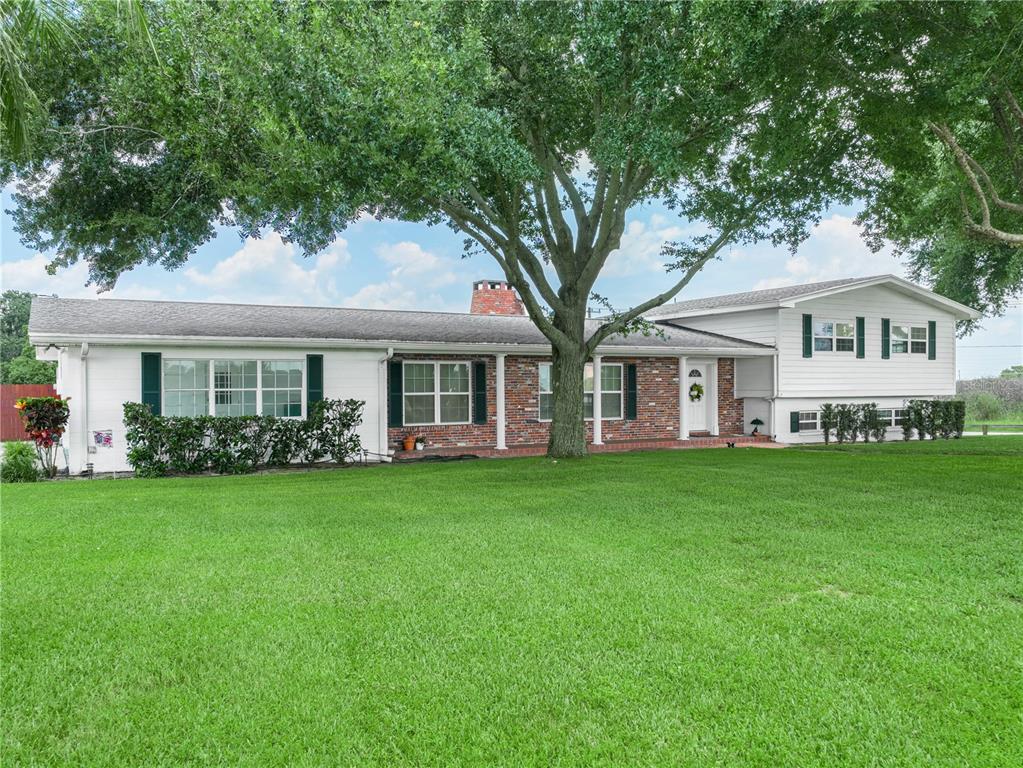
(832, 375)
(759, 325)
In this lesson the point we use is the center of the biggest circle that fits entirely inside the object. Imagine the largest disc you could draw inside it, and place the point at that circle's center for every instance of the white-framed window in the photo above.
(186, 387)
(908, 339)
(281, 388)
(808, 421)
(233, 387)
(834, 336)
(611, 394)
(435, 392)
(893, 417)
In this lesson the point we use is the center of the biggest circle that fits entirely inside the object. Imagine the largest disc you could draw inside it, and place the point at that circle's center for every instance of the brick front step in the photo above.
(615, 446)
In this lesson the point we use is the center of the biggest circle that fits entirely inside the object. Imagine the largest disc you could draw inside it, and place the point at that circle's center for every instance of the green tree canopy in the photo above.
(532, 128)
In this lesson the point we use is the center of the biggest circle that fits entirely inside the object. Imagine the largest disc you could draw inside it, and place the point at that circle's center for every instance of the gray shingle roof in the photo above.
(748, 298)
(118, 317)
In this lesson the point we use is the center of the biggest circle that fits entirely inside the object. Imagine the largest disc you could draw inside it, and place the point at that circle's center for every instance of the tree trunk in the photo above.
(568, 430)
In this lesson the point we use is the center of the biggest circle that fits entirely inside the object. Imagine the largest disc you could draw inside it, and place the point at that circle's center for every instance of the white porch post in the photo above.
(596, 402)
(712, 391)
(499, 385)
(683, 401)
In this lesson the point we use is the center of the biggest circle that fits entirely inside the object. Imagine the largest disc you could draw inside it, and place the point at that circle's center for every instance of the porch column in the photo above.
(683, 401)
(499, 400)
(712, 392)
(596, 402)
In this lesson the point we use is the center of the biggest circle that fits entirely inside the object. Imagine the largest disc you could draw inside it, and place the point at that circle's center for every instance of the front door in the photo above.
(697, 396)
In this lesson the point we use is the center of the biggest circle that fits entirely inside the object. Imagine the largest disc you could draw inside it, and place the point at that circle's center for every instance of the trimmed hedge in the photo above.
(925, 418)
(158, 445)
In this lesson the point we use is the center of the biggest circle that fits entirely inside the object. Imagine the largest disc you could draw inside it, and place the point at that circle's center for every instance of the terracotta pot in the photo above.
(409, 443)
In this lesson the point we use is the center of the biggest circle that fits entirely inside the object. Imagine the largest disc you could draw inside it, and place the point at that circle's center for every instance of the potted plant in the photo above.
(409, 441)
(420, 442)
(757, 424)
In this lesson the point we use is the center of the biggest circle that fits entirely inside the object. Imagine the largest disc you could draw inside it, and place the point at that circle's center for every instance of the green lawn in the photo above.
(861, 606)
(1014, 419)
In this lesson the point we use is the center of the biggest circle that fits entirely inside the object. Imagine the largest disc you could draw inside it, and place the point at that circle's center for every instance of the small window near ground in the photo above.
(186, 387)
(808, 421)
(833, 336)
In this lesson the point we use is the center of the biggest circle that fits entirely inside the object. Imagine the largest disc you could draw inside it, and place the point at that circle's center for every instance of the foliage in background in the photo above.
(45, 419)
(984, 406)
(1009, 391)
(19, 463)
(1012, 372)
(158, 445)
(18, 364)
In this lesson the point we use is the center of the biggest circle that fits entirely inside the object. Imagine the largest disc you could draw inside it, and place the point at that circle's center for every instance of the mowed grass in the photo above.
(855, 607)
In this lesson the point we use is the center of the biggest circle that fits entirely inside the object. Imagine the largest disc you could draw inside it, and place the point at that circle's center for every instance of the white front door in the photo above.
(697, 395)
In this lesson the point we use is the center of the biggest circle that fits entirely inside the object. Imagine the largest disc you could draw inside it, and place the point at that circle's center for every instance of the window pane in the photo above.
(611, 378)
(919, 347)
(454, 377)
(418, 409)
(900, 346)
(610, 405)
(823, 328)
(588, 406)
(419, 378)
(844, 329)
(546, 406)
(545, 377)
(843, 345)
(900, 332)
(588, 377)
(454, 408)
(822, 345)
(919, 333)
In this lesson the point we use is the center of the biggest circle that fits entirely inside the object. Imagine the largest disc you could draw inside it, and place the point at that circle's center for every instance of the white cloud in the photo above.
(640, 251)
(414, 279)
(268, 270)
(29, 274)
(835, 249)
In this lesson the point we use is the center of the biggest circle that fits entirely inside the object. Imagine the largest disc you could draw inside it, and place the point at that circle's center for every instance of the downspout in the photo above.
(84, 442)
(385, 451)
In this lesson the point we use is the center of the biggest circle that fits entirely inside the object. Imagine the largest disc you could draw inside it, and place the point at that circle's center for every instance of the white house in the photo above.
(481, 380)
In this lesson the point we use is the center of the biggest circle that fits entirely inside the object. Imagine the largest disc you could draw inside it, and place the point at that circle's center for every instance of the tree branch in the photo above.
(619, 323)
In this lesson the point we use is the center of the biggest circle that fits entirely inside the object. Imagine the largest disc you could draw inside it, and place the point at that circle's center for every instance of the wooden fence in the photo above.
(10, 419)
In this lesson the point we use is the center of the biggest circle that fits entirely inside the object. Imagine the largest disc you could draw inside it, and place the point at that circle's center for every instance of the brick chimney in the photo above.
(495, 297)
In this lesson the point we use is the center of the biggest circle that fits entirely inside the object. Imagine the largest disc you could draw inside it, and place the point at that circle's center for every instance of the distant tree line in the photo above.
(18, 364)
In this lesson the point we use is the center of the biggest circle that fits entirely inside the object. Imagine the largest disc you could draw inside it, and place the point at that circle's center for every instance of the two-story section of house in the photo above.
(858, 340)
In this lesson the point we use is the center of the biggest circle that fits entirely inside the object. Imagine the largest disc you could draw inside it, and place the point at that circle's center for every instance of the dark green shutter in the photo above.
(395, 411)
(151, 378)
(807, 335)
(861, 337)
(479, 393)
(794, 421)
(932, 346)
(313, 381)
(886, 338)
(630, 391)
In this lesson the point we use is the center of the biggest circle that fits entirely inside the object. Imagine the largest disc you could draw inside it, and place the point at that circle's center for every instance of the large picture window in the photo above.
(610, 396)
(233, 387)
(436, 393)
(833, 336)
(186, 387)
(908, 339)
(281, 388)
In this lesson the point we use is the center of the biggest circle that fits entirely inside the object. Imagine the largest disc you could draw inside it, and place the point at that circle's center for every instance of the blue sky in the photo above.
(391, 265)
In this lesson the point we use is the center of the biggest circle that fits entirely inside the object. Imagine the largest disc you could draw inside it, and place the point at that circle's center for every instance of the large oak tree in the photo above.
(532, 128)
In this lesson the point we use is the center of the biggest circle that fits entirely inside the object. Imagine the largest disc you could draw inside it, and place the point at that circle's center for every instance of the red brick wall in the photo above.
(729, 408)
(656, 404)
(501, 300)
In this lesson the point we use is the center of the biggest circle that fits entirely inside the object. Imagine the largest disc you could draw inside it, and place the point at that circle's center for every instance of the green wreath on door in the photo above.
(695, 393)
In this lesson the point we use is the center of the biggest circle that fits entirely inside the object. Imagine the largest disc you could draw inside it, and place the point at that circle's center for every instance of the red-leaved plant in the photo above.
(45, 419)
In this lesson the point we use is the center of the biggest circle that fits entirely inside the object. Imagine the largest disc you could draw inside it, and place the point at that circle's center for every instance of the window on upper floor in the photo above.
(834, 336)
(908, 339)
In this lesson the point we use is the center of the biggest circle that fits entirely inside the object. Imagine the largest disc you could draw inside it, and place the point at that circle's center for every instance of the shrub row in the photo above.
(933, 419)
(158, 445)
(926, 418)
